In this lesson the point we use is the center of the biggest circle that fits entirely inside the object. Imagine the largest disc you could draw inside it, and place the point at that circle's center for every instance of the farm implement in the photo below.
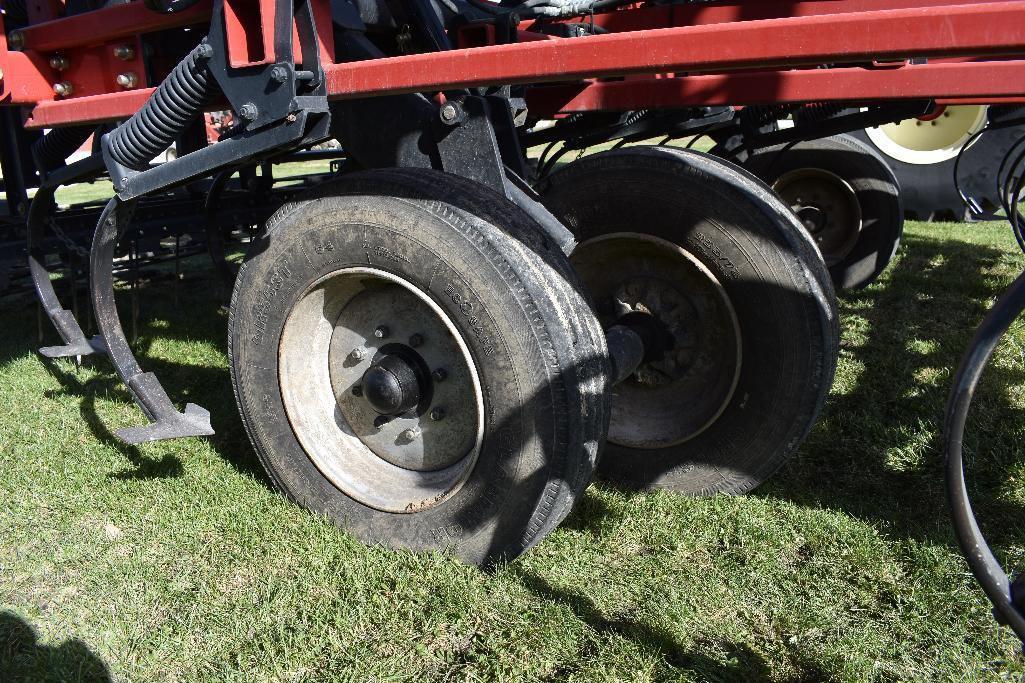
(433, 342)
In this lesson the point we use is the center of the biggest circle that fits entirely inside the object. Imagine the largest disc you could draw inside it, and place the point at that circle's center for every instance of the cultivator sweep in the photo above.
(434, 342)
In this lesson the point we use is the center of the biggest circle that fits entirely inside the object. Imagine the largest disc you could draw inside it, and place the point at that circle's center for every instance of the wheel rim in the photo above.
(381, 390)
(693, 365)
(932, 141)
(827, 206)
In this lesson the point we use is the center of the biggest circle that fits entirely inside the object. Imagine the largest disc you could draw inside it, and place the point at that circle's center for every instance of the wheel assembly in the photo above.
(923, 152)
(845, 196)
(403, 363)
(732, 301)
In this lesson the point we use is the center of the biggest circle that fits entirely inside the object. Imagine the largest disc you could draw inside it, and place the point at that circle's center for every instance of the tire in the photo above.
(860, 241)
(927, 180)
(723, 231)
(527, 335)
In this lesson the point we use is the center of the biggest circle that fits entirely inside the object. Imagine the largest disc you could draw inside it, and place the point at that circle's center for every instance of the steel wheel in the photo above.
(827, 207)
(396, 420)
(694, 350)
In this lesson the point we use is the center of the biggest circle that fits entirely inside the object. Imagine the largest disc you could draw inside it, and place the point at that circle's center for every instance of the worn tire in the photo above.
(775, 280)
(537, 348)
(875, 188)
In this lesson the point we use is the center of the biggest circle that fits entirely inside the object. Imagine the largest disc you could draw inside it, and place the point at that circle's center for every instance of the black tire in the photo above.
(929, 191)
(876, 191)
(533, 338)
(770, 271)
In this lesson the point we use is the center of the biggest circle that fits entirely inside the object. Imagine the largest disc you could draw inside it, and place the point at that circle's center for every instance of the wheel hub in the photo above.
(827, 206)
(381, 390)
(932, 140)
(690, 331)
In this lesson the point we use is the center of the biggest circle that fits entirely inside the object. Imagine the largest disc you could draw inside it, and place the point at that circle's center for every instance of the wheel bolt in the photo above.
(438, 414)
(439, 375)
(357, 390)
(381, 332)
(357, 354)
(416, 340)
(411, 434)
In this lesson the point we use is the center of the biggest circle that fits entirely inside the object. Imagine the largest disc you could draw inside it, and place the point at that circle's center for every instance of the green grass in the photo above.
(177, 562)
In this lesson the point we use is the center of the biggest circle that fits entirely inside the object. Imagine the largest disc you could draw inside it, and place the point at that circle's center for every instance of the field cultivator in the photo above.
(433, 343)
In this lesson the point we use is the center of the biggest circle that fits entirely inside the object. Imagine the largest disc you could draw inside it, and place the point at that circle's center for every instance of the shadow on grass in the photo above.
(23, 659)
(876, 453)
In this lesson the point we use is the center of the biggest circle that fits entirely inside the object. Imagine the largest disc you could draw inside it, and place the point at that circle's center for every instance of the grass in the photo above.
(177, 562)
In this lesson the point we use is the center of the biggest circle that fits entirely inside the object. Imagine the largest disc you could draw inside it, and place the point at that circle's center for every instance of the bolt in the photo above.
(438, 414)
(59, 62)
(449, 113)
(292, 118)
(381, 332)
(357, 354)
(279, 74)
(416, 340)
(63, 88)
(439, 375)
(357, 390)
(124, 52)
(411, 434)
(127, 80)
(248, 111)
(16, 40)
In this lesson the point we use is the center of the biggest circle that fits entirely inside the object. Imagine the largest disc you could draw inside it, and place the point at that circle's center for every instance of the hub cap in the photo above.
(381, 390)
(827, 206)
(692, 337)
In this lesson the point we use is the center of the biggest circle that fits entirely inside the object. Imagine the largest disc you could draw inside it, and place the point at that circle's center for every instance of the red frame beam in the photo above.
(958, 30)
(990, 81)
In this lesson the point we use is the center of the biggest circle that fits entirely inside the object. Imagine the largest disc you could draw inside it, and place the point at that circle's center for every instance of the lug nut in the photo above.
(381, 332)
(357, 390)
(357, 354)
(248, 111)
(124, 52)
(411, 434)
(416, 340)
(439, 375)
(59, 62)
(63, 88)
(16, 40)
(438, 414)
(127, 80)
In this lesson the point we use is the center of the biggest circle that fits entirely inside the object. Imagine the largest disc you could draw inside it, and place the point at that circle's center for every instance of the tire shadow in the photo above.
(23, 659)
(877, 451)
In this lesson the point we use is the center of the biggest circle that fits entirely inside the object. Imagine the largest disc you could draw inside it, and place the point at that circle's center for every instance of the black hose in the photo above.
(50, 151)
(981, 560)
(177, 102)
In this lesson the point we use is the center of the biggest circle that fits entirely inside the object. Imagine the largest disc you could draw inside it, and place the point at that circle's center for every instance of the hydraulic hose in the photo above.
(981, 560)
(177, 102)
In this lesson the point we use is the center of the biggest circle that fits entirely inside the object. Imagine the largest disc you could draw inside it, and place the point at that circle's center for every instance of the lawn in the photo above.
(177, 561)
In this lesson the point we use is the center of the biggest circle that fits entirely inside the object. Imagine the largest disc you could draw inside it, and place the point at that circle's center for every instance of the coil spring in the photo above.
(178, 101)
(52, 149)
(818, 111)
(763, 115)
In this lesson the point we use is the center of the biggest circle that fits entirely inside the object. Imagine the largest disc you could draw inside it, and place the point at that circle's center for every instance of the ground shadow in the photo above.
(876, 453)
(23, 659)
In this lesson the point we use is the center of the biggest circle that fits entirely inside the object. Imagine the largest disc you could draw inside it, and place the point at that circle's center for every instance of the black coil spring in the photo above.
(819, 111)
(177, 102)
(52, 149)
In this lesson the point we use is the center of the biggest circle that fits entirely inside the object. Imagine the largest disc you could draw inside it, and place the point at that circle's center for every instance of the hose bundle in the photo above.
(177, 102)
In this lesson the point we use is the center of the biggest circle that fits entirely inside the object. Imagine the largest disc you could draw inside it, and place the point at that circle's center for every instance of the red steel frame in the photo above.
(722, 53)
